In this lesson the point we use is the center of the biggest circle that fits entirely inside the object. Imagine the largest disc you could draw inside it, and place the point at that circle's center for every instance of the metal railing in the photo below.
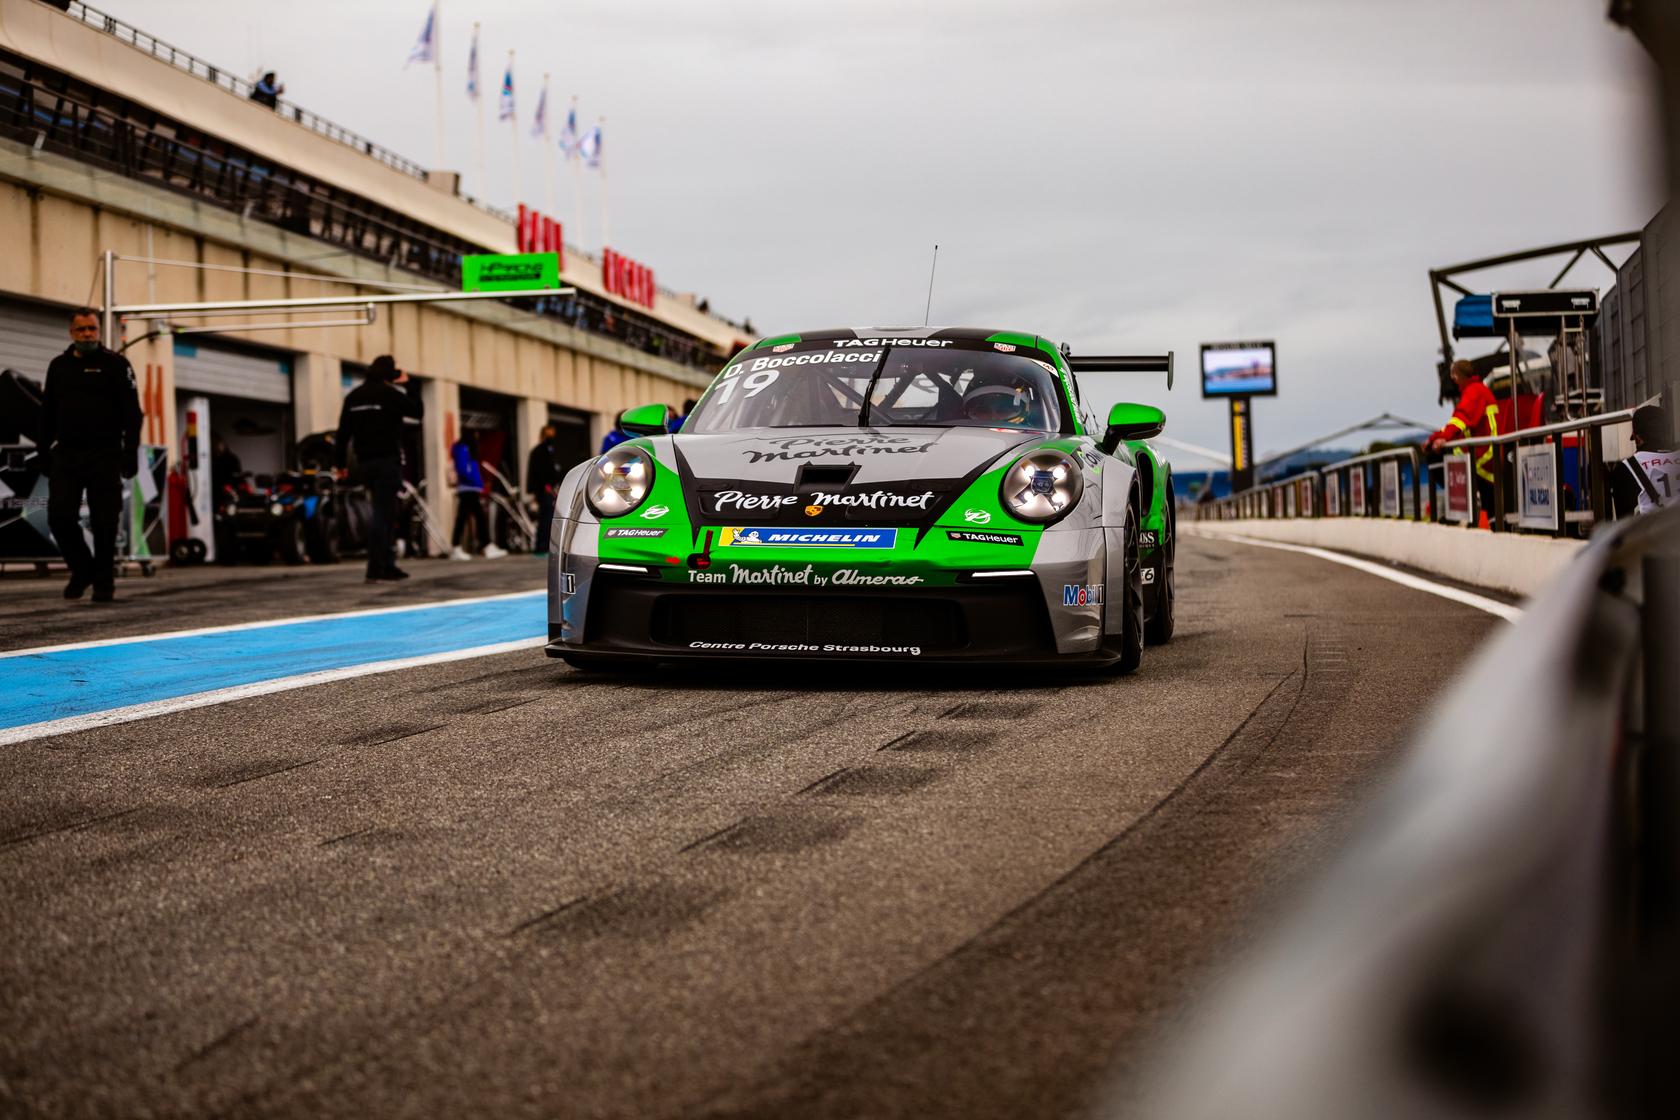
(1358, 487)
(239, 87)
(1571, 495)
(1591, 489)
(1499, 936)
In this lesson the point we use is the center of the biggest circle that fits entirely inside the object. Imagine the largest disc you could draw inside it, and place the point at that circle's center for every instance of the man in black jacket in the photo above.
(90, 430)
(372, 421)
(542, 477)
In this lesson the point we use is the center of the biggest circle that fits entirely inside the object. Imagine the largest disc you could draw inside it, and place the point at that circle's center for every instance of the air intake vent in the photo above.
(826, 474)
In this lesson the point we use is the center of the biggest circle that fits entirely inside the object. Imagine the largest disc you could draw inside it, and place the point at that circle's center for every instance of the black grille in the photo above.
(933, 624)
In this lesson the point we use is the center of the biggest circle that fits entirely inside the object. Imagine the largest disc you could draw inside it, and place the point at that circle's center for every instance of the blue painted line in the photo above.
(54, 684)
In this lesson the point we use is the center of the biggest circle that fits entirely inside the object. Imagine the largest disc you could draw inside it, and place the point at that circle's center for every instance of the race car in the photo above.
(902, 495)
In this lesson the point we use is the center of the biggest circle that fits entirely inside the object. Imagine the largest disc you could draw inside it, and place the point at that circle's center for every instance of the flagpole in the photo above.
(480, 186)
(576, 161)
(513, 119)
(548, 158)
(437, 68)
(601, 165)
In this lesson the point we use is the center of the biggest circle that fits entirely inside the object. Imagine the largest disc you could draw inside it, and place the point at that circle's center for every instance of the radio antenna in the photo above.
(928, 311)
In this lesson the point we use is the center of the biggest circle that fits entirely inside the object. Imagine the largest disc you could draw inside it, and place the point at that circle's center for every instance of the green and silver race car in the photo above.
(879, 495)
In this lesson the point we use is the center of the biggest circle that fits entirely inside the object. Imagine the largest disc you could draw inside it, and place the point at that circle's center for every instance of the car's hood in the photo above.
(880, 475)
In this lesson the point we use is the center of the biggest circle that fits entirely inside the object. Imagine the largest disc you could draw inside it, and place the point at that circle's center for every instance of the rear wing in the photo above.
(1123, 363)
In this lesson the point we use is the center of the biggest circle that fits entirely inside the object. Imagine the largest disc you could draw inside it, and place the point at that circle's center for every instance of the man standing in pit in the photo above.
(1477, 415)
(371, 422)
(90, 430)
(542, 478)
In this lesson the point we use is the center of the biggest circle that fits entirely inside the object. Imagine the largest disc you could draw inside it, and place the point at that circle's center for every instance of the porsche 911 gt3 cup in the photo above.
(922, 495)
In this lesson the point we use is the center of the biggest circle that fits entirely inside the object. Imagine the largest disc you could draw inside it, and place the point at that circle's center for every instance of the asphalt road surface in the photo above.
(502, 888)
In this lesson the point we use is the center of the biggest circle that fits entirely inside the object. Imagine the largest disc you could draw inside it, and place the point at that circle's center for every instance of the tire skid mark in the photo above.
(68, 827)
(548, 915)
(219, 1042)
(269, 773)
(391, 733)
(347, 836)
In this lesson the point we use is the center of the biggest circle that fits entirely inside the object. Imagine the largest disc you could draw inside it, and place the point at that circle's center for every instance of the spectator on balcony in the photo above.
(1648, 479)
(267, 91)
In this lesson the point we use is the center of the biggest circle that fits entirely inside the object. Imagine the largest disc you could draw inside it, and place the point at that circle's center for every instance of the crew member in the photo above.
(469, 501)
(542, 477)
(371, 421)
(90, 428)
(1477, 415)
(615, 437)
(1649, 478)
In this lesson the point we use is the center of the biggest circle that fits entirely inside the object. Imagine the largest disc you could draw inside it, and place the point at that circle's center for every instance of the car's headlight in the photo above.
(1042, 485)
(618, 481)
(276, 509)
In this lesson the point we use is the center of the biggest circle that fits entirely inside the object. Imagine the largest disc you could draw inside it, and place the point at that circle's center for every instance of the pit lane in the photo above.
(501, 887)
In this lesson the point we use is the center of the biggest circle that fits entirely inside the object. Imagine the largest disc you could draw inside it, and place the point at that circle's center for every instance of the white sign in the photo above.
(1332, 495)
(1537, 489)
(1391, 488)
(1356, 491)
(1460, 498)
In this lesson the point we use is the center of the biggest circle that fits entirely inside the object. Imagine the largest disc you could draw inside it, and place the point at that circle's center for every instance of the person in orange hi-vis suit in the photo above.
(1477, 414)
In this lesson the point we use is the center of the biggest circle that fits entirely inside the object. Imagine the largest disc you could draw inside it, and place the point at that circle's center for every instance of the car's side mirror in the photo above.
(646, 420)
(1130, 422)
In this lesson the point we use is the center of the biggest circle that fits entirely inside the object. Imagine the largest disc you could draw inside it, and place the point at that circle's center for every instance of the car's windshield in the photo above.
(956, 384)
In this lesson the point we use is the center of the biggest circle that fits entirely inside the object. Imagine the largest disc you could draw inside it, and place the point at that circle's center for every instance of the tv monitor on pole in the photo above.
(1239, 369)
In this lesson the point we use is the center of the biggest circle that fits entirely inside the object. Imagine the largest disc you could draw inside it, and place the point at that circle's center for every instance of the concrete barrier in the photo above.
(1520, 565)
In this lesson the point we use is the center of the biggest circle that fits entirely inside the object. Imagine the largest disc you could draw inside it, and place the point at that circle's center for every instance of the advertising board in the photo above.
(1537, 489)
(1390, 476)
(509, 272)
(1356, 492)
(1332, 495)
(1460, 493)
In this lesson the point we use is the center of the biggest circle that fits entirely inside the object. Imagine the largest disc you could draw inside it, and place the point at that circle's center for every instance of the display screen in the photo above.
(1239, 369)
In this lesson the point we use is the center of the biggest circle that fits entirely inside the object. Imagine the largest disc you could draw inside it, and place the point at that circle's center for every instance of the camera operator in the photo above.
(90, 431)
(372, 421)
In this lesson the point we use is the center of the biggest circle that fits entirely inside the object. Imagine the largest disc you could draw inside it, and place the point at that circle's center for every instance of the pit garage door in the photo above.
(248, 374)
(31, 336)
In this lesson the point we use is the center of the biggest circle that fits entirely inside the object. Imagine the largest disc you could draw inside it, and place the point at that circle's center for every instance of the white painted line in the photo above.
(267, 624)
(244, 691)
(1404, 579)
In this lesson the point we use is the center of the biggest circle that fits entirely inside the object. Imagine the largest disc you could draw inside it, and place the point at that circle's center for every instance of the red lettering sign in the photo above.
(628, 279)
(536, 232)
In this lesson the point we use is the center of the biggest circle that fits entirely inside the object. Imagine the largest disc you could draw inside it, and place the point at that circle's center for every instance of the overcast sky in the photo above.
(1126, 175)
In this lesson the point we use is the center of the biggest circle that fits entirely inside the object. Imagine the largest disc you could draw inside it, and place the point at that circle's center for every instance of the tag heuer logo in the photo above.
(977, 517)
(813, 511)
(655, 511)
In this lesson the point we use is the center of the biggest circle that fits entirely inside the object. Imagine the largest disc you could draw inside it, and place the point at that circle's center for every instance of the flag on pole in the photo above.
(539, 122)
(472, 66)
(425, 49)
(505, 112)
(590, 147)
(569, 139)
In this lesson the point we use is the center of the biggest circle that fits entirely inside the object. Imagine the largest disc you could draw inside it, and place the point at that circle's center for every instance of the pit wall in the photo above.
(1508, 562)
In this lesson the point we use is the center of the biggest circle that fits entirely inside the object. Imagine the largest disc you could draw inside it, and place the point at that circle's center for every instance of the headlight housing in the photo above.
(1042, 486)
(619, 481)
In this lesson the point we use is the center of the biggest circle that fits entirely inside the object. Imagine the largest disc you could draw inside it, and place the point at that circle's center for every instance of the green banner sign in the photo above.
(513, 272)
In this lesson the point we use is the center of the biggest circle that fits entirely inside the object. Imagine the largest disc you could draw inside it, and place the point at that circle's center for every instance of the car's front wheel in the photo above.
(1130, 605)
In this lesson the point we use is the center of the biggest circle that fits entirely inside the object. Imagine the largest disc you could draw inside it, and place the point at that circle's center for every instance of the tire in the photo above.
(1131, 605)
(290, 540)
(323, 539)
(1159, 630)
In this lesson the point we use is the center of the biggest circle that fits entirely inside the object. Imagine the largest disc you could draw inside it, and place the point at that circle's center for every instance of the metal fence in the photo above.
(1501, 935)
(1551, 479)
